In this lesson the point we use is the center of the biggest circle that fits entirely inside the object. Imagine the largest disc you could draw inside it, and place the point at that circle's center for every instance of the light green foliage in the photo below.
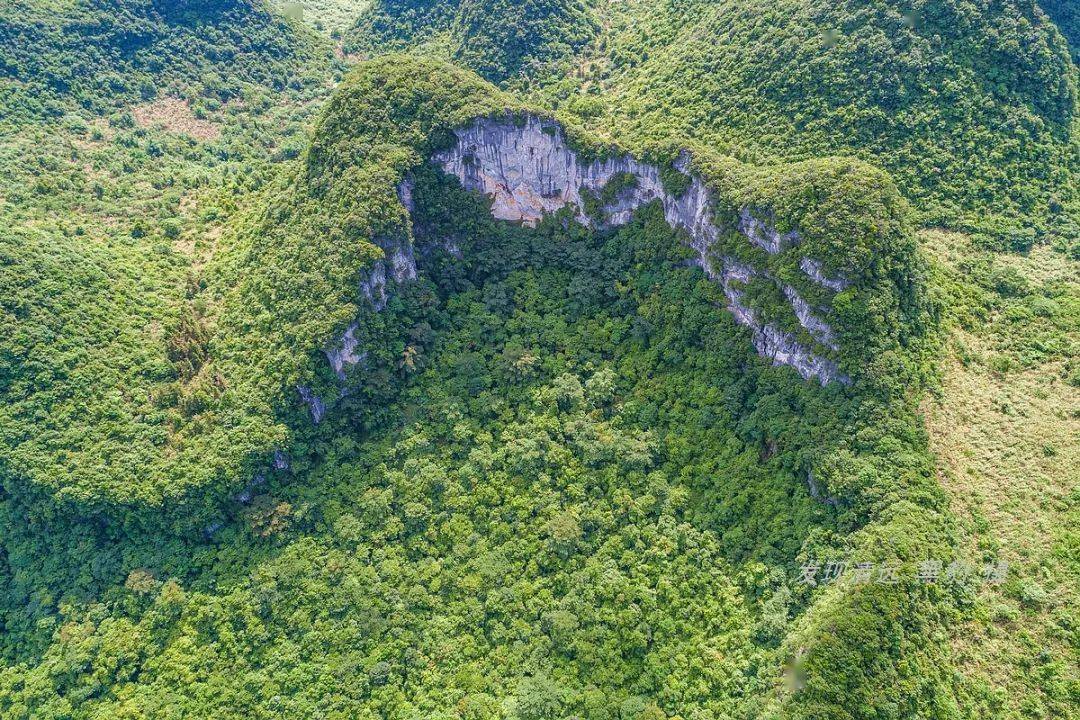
(1004, 429)
(98, 54)
(106, 219)
(560, 483)
(969, 105)
(328, 17)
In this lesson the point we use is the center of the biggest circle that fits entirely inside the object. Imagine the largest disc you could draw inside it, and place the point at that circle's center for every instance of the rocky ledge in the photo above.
(528, 170)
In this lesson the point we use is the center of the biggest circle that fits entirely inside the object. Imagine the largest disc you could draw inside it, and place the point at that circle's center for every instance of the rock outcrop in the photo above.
(528, 170)
(814, 271)
(315, 404)
(398, 265)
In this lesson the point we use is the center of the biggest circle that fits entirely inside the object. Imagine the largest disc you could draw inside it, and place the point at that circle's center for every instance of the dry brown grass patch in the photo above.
(176, 116)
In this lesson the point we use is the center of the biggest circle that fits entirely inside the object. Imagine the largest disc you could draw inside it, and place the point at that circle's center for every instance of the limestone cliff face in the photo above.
(814, 271)
(398, 265)
(528, 170)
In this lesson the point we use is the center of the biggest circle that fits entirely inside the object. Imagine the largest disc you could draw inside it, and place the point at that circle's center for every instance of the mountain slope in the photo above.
(530, 417)
(500, 40)
(1067, 17)
(970, 105)
(104, 223)
(57, 55)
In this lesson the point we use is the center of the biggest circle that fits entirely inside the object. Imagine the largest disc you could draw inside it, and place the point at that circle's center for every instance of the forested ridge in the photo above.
(554, 480)
(100, 54)
(970, 105)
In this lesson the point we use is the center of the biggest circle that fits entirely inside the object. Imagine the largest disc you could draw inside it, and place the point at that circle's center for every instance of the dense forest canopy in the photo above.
(1067, 18)
(970, 105)
(98, 54)
(500, 40)
(294, 426)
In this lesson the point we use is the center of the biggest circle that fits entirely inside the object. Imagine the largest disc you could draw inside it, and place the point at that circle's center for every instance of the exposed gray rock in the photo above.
(373, 285)
(818, 328)
(452, 249)
(770, 341)
(816, 273)
(529, 171)
(764, 235)
(405, 194)
(246, 495)
(313, 401)
(280, 461)
(402, 262)
(345, 353)
(815, 491)
(398, 264)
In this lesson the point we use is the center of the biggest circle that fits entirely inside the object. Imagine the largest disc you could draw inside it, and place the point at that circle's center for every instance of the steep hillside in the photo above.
(1067, 17)
(109, 206)
(502, 41)
(221, 385)
(970, 106)
(59, 55)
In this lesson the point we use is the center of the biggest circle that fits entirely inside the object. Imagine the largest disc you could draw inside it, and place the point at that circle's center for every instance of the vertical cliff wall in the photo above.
(528, 170)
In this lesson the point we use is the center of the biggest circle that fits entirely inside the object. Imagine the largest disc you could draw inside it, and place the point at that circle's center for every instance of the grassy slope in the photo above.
(1006, 430)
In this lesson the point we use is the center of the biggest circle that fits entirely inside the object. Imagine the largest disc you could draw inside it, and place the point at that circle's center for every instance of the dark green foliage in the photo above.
(57, 55)
(500, 40)
(394, 25)
(1066, 15)
(852, 219)
(504, 38)
(966, 104)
